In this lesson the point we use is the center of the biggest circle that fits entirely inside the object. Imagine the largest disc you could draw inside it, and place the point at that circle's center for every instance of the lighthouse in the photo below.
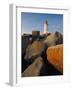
(46, 27)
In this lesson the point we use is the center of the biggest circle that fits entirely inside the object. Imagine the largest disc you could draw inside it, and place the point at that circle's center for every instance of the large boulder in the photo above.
(54, 39)
(34, 50)
(55, 56)
(34, 69)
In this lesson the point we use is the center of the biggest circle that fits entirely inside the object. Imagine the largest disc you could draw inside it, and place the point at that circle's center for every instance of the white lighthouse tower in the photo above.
(46, 27)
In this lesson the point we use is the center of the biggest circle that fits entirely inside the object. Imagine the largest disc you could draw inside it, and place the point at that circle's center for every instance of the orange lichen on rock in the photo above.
(55, 56)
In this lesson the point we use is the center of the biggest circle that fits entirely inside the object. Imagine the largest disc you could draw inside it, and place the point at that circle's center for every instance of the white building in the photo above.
(46, 27)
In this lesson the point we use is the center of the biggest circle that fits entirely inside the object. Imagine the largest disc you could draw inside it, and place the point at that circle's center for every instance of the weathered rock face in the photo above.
(34, 69)
(55, 56)
(26, 40)
(42, 56)
(35, 49)
(54, 39)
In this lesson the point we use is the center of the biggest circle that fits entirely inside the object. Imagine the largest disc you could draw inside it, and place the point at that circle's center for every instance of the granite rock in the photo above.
(34, 50)
(54, 39)
(55, 56)
(34, 69)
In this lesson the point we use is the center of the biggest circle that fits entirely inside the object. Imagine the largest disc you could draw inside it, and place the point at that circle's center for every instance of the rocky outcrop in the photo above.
(34, 69)
(42, 56)
(34, 50)
(55, 56)
(54, 39)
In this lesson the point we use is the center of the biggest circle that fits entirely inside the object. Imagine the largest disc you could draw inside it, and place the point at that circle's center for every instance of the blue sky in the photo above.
(35, 21)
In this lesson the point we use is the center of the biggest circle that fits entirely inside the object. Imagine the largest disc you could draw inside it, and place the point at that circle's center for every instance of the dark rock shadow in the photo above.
(48, 69)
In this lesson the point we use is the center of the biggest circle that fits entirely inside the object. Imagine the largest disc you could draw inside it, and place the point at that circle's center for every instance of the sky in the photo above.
(35, 21)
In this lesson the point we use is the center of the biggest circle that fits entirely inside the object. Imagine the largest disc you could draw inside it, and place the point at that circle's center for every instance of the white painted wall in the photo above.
(45, 28)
